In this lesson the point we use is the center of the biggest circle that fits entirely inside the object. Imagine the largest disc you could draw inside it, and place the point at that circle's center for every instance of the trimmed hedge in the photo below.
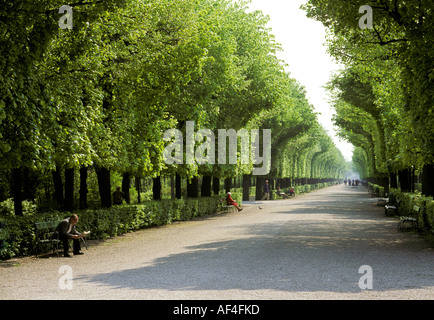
(377, 189)
(408, 200)
(17, 234)
(310, 187)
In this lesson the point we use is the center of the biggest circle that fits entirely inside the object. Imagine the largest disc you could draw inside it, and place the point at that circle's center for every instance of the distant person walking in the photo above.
(266, 190)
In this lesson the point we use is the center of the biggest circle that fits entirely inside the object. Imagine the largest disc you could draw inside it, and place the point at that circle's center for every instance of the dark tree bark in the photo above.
(246, 187)
(83, 188)
(58, 188)
(172, 187)
(384, 182)
(69, 189)
(428, 180)
(259, 185)
(393, 181)
(126, 182)
(228, 184)
(30, 184)
(138, 188)
(405, 180)
(178, 190)
(205, 190)
(156, 188)
(103, 175)
(193, 188)
(216, 185)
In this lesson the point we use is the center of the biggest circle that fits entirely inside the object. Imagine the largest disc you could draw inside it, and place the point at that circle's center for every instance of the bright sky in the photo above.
(304, 50)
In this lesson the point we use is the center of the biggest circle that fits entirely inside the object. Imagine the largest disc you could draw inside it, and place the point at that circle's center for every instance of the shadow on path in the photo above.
(319, 246)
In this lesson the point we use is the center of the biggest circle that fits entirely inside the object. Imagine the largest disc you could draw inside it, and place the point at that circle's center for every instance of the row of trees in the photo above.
(102, 94)
(384, 96)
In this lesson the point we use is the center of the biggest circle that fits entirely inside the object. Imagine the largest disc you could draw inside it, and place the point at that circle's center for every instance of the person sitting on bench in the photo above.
(282, 194)
(231, 202)
(67, 231)
(291, 192)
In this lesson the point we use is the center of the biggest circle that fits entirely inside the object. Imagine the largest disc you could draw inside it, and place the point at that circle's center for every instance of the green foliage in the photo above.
(7, 208)
(102, 94)
(381, 193)
(408, 200)
(17, 236)
(384, 96)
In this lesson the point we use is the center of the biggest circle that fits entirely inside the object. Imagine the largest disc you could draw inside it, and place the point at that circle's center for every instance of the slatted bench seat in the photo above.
(45, 232)
(224, 207)
(412, 222)
(391, 208)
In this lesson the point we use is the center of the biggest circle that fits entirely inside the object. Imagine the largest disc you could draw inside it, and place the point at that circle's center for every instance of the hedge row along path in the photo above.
(310, 247)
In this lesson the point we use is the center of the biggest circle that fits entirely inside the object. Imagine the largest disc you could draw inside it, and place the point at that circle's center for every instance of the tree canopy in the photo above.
(102, 94)
(383, 97)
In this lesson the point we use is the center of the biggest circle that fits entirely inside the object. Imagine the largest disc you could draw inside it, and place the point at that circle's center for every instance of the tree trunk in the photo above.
(138, 188)
(103, 175)
(384, 182)
(69, 189)
(83, 188)
(30, 184)
(228, 185)
(246, 187)
(205, 190)
(216, 185)
(172, 187)
(193, 188)
(428, 180)
(404, 180)
(17, 191)
(126, 181)
(156, 188)
(58, 188)
(178, 190)
(393, 181)
(259, 185)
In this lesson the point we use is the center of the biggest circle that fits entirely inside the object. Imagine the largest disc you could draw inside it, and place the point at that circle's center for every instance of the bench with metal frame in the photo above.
(403, 221)
(224, 207)
(45, 232)
(392, 208)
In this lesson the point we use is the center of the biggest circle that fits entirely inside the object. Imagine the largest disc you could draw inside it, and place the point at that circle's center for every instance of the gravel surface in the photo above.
(310, 247)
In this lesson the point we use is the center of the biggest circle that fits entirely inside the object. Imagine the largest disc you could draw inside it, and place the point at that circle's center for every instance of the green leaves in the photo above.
(387, 76)
(104, 92)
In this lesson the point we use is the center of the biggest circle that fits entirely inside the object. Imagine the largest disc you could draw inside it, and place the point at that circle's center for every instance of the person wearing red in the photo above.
(231, 202)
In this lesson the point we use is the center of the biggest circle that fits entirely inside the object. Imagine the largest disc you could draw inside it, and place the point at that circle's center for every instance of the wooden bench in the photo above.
(391, 208)
(403, 221)
(45, 232)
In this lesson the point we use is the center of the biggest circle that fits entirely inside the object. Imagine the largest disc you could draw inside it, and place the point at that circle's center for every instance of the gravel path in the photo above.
(310, 247)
